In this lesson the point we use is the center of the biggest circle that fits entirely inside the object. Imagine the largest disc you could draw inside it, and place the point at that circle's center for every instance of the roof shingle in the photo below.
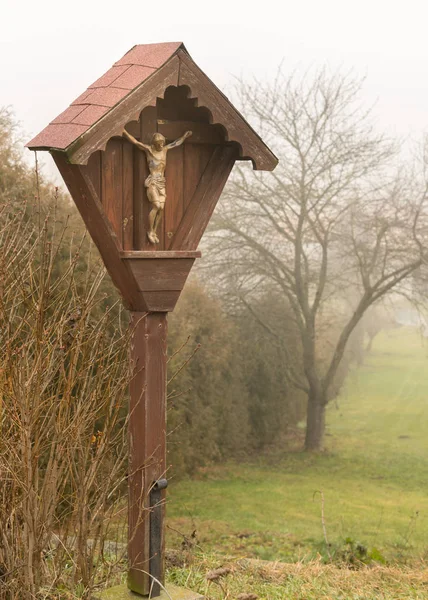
(90, 115)
(109, 77)
(108, 96)
(102, 95)
(133, 76)
(58, 136)
(68, 115)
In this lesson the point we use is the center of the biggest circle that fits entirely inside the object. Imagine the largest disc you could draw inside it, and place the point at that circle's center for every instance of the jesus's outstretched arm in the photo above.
(179, 141)
(134, 141)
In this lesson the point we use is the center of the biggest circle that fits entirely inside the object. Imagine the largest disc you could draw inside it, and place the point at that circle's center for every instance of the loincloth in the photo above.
(158, 183)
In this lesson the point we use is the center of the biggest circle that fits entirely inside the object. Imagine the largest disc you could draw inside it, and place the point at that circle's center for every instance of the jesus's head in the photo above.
(158, 141)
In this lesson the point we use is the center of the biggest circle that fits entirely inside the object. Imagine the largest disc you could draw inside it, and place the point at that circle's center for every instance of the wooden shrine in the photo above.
(146, 190)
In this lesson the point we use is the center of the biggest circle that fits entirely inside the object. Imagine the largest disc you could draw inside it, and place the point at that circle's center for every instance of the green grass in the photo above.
(302, 581)
(373, 475)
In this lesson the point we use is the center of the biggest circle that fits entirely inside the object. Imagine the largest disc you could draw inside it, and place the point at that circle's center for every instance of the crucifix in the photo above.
(155, 182)
(147, 244)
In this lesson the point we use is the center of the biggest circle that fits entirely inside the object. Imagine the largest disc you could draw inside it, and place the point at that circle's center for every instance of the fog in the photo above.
(52, 54)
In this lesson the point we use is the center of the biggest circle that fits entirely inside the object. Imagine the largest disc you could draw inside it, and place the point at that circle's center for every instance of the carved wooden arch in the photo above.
(171, 130)
(201, 113)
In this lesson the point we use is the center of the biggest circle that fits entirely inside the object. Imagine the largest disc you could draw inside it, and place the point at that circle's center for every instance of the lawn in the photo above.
(373, 477)
(251, 580)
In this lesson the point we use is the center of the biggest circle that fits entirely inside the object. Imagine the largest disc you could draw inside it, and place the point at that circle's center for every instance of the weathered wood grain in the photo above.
(148, 126)
(88, 203)
(176, 105)
(94, 171)
(196, 159)
(127, 195)
(202, 133)
(147, 437)
(139, 197)
(161, 301)
(112, 185)
(160, 274)
(134, 129)
(174, 205)
(205, 198)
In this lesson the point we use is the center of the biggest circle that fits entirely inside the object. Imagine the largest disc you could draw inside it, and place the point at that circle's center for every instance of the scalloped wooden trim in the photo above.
(212, 121)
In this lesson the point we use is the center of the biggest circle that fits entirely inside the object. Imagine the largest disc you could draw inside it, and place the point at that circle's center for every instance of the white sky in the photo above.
(50, 51)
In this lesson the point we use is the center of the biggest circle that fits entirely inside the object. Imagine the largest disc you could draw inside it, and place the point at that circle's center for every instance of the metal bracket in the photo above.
(156, 517)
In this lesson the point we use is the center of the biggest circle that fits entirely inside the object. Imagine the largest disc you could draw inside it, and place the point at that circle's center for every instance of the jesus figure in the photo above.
(155, 182)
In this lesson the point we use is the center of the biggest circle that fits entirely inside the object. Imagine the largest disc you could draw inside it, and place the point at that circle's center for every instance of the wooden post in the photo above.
(147, 447)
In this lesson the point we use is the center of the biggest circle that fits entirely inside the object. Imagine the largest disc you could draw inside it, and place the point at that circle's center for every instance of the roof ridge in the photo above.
(176, 45)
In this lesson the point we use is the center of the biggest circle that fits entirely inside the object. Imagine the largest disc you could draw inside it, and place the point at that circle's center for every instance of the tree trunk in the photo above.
(370, 343)
(315, 423)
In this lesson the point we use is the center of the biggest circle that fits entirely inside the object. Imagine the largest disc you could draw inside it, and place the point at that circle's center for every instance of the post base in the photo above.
(121, 592)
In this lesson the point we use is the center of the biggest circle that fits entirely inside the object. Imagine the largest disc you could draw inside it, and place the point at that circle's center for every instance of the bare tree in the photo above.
(336, 224)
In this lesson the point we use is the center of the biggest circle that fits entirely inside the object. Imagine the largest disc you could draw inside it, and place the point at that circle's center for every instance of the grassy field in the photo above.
(373, 478)
(251, 580)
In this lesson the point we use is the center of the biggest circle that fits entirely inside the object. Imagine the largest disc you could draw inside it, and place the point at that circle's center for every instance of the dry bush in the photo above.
(63, 387)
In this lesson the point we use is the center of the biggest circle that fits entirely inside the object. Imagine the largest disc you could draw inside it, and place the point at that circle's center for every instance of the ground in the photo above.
(372, 480)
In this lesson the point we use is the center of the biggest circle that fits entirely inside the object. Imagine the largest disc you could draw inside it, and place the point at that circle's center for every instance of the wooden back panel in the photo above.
(118, 174)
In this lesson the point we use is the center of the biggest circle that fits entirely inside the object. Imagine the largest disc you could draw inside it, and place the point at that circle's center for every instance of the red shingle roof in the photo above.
(124, 76)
